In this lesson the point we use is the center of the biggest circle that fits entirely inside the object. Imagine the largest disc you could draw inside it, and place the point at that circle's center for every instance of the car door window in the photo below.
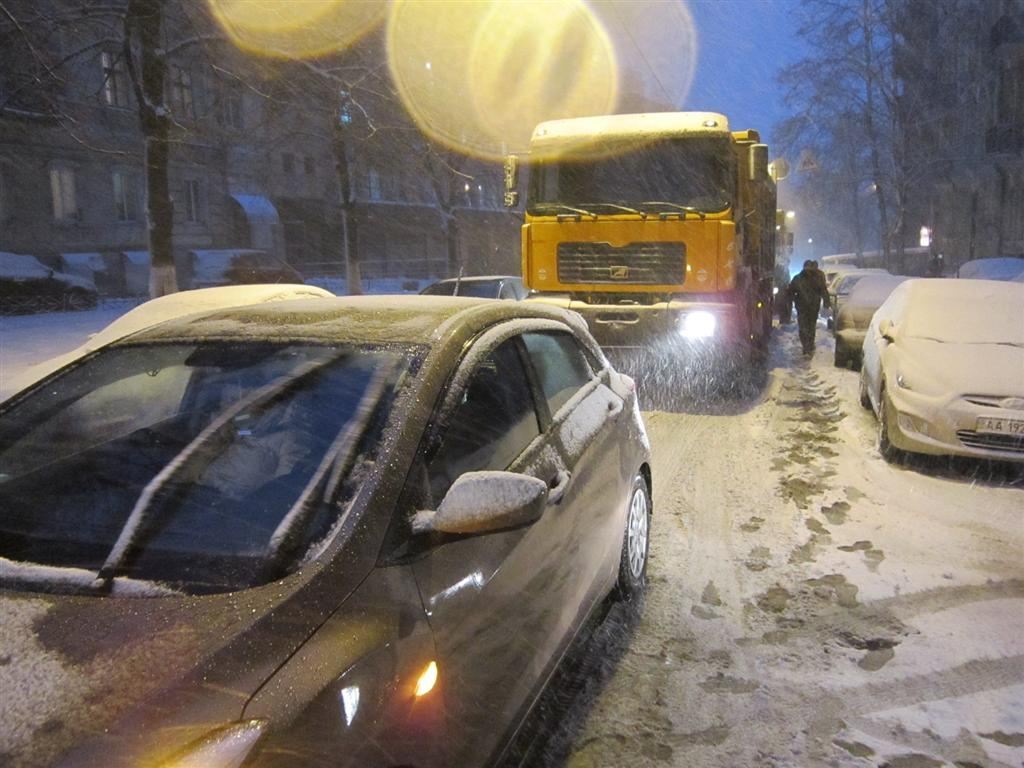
(493, 422)
(562, 369)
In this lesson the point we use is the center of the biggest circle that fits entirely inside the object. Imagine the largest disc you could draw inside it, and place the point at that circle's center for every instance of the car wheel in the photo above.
(635, 544)
(865, 398)
(76, 300)
(885, 447)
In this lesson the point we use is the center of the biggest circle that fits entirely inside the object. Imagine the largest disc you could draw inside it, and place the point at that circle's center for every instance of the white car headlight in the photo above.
(224, 748)
(698, 325)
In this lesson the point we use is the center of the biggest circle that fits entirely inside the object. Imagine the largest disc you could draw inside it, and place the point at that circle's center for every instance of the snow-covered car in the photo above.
(855, 315)
(481, 287)
(993, 268)
(28, 285)
(353, 531)
(239, 267)
(169, 307)
(840, 286)
(944, 369)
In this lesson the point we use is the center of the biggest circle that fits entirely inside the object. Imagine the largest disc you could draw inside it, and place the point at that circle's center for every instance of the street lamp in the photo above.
(790, 215)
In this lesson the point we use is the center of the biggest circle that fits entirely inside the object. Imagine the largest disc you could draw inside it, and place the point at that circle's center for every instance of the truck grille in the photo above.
(973, 439)
(636, 263)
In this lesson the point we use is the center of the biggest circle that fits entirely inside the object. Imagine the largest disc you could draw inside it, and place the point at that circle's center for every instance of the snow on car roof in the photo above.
(354, 319)
(873, 290)
(479, 278)
(966, 311)
(994, 268)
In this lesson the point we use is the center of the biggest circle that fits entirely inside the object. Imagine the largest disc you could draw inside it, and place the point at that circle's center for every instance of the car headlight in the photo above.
(224, 748)
(697, 325)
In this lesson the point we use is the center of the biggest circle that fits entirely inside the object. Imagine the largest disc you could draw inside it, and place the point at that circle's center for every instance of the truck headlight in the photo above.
(697, 325)
(224, 748)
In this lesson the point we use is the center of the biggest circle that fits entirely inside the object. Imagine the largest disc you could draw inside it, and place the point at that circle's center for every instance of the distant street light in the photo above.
(790, 214)
(810, 240)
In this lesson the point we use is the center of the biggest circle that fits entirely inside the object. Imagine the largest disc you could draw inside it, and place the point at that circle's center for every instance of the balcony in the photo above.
(1001, 139)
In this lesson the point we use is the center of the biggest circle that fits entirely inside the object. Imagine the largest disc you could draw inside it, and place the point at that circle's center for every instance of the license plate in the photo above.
(1000, 426)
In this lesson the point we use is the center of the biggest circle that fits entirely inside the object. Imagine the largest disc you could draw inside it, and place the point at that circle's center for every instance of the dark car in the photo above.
(355, 532)
(239, 267)
(480, 287)
(28, 285)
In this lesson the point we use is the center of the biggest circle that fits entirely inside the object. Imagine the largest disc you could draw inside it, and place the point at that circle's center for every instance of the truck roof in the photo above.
(648, 124)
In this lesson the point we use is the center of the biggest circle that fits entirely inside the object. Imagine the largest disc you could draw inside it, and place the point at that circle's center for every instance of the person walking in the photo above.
(807, 290)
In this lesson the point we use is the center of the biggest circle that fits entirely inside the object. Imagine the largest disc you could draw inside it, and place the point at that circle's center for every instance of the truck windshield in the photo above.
(651, 176)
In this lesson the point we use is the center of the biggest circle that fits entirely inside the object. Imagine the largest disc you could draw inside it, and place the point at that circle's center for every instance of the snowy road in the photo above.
(809, 605)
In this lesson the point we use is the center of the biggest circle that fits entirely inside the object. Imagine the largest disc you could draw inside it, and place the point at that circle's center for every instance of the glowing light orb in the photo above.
(479, 76)
(294, 29)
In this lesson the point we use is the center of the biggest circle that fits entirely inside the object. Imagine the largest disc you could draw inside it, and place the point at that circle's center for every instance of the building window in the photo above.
(373, 181)
(62, 189)
(288, 162)
(125, 196)
(231, 106)
(115, 80)
(181, 92)
(3, 198)
(1011, 94)
(193, 210)
(309, 165)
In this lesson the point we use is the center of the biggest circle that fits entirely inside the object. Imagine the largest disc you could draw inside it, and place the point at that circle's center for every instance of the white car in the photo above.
(944, 369)
(170, 307)
(854, 316)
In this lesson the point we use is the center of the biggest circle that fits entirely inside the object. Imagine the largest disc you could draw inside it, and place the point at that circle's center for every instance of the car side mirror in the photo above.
(887, 330)
(482, 502)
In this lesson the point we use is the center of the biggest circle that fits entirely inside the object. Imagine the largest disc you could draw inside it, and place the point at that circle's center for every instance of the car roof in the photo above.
(479, 278)
(353, 319)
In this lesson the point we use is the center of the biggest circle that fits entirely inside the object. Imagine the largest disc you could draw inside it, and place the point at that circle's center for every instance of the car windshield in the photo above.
(217, 455)
(689, 172)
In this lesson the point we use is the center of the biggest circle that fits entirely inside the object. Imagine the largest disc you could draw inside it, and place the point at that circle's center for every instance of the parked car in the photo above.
(481, 287)
(854, 317)
(944, 369)
(993, 268)
(336, 531)
(28, 285)
(173, 305)
(840, 287)
(239, 267)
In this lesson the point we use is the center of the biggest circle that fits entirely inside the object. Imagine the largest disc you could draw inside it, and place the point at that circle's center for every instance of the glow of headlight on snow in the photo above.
(350, 702)
(497, 68)
(290, 29)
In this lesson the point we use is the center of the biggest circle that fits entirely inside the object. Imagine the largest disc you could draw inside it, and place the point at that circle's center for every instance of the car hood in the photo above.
(77, 666)
(938, 367)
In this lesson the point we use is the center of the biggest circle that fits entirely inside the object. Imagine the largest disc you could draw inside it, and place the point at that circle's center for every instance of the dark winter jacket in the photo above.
(808, 289)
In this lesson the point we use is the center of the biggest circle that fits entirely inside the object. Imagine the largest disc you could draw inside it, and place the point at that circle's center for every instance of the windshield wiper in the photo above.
(202, 447)
(678, 207)
(336, 461)
(571, 209)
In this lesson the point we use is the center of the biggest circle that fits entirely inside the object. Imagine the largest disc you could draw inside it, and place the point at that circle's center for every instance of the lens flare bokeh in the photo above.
(479, 76)
(297, 28)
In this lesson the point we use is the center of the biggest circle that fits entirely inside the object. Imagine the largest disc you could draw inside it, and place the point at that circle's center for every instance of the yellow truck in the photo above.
(658, 228)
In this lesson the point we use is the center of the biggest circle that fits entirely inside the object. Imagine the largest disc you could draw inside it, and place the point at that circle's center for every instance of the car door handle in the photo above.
(557, 486)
